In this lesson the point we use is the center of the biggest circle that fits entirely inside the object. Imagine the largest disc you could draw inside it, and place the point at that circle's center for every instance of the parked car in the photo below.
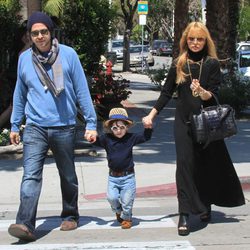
(243, 46)
(117, 46)
(243, 62)
(139, 51)
(156, 45)
(165, 49)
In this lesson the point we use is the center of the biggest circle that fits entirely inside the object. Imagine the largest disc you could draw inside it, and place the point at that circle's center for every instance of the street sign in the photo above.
(142, 19)
(143, 7)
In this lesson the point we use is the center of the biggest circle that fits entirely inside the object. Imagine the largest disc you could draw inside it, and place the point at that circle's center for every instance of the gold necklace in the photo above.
(194, 93)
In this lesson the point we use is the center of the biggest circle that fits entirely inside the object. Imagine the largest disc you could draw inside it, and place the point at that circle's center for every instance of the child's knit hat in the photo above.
(118, 114)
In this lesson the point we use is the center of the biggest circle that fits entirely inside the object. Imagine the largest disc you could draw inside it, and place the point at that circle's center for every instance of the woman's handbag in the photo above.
(213, 123)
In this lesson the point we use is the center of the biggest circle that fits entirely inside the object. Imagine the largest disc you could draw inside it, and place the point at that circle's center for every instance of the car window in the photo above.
(245, 61)
(138, 49)
(117, 44)
(245, 47)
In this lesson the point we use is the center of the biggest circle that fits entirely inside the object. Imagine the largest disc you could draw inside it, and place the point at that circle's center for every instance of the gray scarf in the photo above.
(56, 86)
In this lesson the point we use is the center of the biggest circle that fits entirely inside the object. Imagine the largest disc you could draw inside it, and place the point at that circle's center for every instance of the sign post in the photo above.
(142, 11)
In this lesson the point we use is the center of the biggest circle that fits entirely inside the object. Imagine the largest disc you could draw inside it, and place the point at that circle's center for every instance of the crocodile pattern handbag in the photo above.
(213, 123)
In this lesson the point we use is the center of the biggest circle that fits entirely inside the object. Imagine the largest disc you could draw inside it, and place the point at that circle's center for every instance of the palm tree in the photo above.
(234, 12)
(53, 7)
(180, 22)
(222, 20)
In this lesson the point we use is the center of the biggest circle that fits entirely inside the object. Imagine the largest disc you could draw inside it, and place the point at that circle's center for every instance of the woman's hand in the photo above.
(199, 91)
(147, 122)
(195, 86)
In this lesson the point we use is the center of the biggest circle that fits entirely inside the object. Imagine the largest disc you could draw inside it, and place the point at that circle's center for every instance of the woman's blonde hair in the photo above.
(182, 58)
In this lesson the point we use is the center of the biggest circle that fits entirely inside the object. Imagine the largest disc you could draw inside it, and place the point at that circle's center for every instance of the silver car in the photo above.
(117, 46)
(139, 51)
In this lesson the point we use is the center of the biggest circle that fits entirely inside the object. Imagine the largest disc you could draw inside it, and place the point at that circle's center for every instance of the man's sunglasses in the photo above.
(36, 33)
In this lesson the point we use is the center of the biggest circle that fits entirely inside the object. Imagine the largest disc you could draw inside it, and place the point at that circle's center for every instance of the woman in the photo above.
(204, 176)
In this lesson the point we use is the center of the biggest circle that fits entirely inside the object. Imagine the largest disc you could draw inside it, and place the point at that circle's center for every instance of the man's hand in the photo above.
(90, 135)
(15, 138)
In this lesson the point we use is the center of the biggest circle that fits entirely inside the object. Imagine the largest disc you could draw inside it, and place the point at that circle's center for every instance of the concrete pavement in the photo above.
(155, 210)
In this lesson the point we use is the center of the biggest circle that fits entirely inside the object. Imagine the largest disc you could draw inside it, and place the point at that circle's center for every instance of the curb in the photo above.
(161, 190)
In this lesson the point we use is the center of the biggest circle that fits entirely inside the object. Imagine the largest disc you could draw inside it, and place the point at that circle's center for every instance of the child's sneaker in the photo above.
(126, 224)
(118, 217)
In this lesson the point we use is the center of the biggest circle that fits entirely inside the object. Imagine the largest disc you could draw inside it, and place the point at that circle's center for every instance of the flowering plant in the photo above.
(108, 87)
(4, 137)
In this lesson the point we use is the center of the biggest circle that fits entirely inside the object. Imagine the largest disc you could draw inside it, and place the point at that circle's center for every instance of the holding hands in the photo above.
(90, 135)
(147, 122)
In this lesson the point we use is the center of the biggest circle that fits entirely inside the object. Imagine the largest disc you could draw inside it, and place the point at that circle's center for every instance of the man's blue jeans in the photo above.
(121, 195)
(36, 142)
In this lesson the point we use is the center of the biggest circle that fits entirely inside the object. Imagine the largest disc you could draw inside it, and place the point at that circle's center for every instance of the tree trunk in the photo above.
(34, 5)
(180, 23)
(234, 12)
(128, 13)
(218, 25)
(222, 20)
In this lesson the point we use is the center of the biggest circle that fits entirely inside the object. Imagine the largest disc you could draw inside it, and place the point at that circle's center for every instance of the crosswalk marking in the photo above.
(159, 245)
(89, 223)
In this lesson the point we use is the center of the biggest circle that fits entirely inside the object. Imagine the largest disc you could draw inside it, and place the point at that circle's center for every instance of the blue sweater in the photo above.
(40, 106)
(119, 150)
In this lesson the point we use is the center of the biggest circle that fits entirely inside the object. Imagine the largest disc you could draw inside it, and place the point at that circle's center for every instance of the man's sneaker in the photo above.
(68, 225)
(126, 224)
(21, 232)
(118, 217)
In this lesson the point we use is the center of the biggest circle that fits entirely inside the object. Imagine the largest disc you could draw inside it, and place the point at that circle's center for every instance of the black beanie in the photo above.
(40, 17)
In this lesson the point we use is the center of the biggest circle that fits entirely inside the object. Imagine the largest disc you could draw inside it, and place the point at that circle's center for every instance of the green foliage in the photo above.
(86, 25)
(235, 91)
(9, 23)
(53, 7)
(244, 23)
(4, 137)
(107, 91)
(106, 86)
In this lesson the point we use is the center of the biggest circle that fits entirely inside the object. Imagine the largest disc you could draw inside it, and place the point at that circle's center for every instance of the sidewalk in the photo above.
(154, 160)
(155, 215)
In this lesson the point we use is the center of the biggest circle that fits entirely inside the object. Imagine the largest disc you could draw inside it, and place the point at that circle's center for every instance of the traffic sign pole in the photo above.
(142, 11)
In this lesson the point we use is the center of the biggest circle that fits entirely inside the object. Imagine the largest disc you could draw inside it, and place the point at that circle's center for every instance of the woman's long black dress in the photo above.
(203, 176)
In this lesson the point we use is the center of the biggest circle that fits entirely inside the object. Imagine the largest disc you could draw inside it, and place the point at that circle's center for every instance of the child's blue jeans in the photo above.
(121, 194)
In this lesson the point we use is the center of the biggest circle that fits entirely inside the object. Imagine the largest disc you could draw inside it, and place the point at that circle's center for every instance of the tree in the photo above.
(129, 8)
(9, 24)
(222, 20)
(160, 19)
(86, 26)
(244, 23)
(180, 22)
(53, 7)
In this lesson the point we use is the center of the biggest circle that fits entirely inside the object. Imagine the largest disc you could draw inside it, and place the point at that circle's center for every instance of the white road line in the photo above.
(89, 223)
(159, 245)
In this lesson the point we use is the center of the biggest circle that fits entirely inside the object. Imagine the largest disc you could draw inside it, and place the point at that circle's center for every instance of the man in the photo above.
(50, 82)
